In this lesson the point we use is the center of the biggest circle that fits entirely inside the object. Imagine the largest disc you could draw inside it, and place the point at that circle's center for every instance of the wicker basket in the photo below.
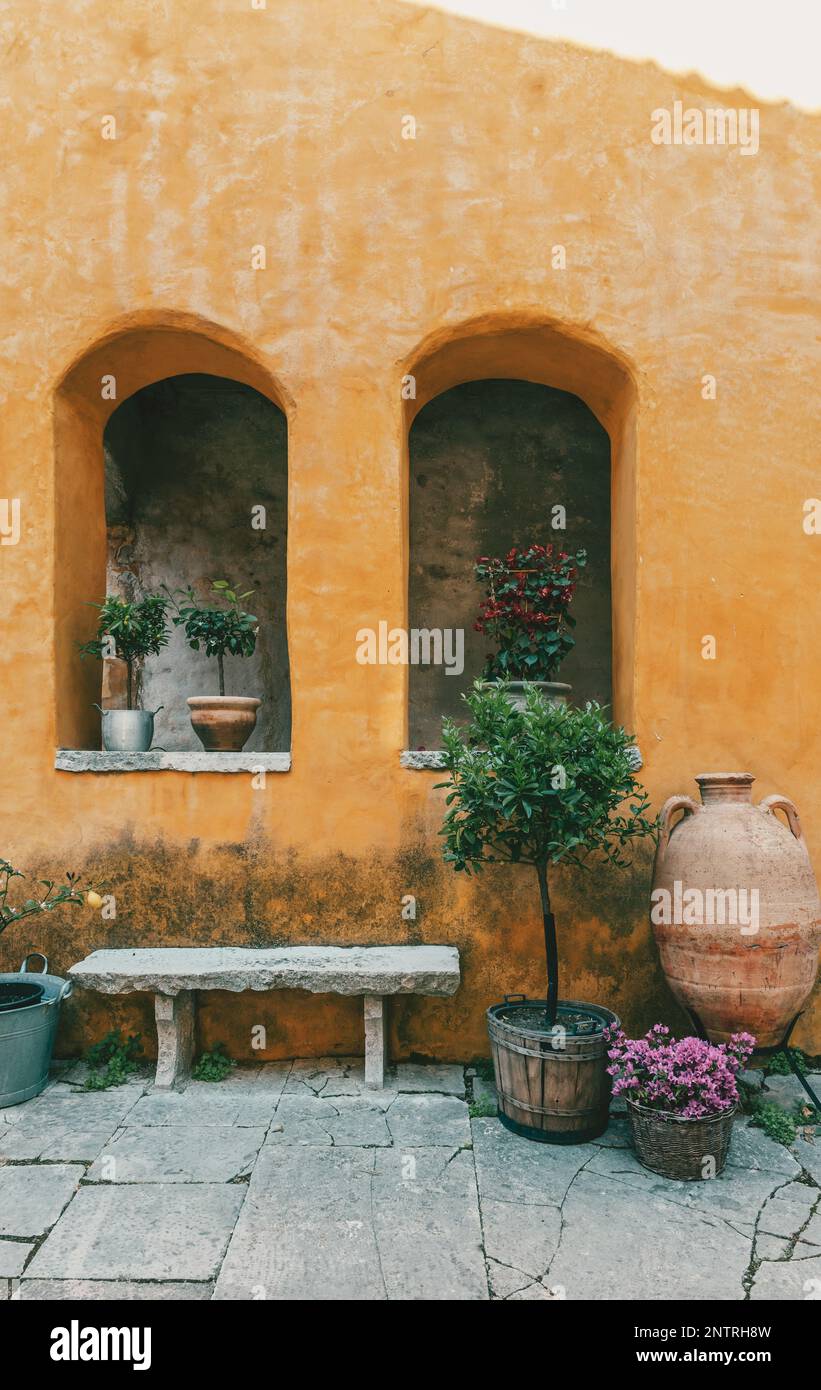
(678, 1148)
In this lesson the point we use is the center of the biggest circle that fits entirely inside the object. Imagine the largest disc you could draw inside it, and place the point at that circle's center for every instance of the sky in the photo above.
(772, 48)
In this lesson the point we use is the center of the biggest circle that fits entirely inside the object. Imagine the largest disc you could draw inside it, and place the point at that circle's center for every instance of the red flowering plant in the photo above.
(687, 1077)
(526, 610)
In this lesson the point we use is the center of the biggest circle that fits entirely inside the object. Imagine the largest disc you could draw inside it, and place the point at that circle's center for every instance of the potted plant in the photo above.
(130, 631)
(30, 1000)
(526, 610)
(681, 1098)
(542, 786)
(222, 723)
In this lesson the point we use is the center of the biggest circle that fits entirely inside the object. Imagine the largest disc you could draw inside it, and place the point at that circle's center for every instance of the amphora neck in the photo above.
(718, 787)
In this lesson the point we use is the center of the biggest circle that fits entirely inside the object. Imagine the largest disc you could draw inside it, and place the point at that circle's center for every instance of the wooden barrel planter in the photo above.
(557, 1094)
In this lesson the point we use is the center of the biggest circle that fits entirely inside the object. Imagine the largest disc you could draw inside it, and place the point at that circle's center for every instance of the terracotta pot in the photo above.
(736, 912)
(223, 723)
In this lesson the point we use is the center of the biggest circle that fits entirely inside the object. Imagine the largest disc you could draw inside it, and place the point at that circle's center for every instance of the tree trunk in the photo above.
(222, 672)
(129, 685)
(550, 947)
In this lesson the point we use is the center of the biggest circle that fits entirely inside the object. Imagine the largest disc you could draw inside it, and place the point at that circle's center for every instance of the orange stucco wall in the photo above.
(283, 127)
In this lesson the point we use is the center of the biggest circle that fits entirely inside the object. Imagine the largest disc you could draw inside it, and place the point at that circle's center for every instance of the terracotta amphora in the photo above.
(735, 908)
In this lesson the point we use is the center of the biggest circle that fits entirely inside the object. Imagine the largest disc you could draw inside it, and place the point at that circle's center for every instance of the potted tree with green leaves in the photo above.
(222, 723)
(130, 631)
(545, 785)
(30, 1000)
(526, 611)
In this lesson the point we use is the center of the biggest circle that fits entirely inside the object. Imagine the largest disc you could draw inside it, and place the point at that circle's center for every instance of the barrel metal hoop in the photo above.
(540, 1109)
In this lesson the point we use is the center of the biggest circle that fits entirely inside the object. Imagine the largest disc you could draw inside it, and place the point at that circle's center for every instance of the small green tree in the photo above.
(219, 630)
(132, 630)
(67, 892)
(540, 786)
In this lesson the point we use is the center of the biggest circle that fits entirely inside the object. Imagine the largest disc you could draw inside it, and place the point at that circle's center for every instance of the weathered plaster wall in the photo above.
(488, 462)
(187, 462)
(283, 128)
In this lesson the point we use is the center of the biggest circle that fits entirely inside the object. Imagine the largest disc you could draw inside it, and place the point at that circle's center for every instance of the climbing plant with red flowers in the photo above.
(526, 610)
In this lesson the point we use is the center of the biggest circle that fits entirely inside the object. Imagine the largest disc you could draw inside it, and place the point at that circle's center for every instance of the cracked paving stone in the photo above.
(88, 1108)
(13, 1256)
(343, 1120)
(736, 1196)
(206, 1104)
(533, 1292)
(809, 1156)
(443, 1077)
(32, 1196)
(359, 1225)
(752, 1148)
(769, 1247)
(788, 1280)
(167, 1153)
(85, 1290)
(69, 1137)
(787, 1091)
(812, 1231)
(615, 1245)
(526, 1238)
(788, 1210)
(147, 1231)
(503, 1280)
(419, 1121)
(516, 1171)
(327, 1076)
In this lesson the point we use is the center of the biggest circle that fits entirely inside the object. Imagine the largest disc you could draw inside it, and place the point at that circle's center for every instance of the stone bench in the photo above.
(173, 974)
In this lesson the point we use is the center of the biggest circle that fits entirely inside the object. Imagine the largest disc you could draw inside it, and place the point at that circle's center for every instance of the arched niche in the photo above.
(132, 372)
(589, 411)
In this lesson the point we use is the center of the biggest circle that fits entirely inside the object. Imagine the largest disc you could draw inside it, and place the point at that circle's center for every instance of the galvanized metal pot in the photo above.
(27, 1034)
(127, 730)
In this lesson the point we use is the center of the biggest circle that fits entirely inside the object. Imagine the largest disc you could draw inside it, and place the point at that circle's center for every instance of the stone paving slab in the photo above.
(341, 1120)
(796, 1280)
(177, 1154)
(359, 1225)
(252, 1108)
(85, 1290)
(32, 1196)
(174, 1232)
(788, 1210)
(13, 1256)
(616, 1245)
(68, 1137)
(319, 1189)
(520, 1172)
(418, 1121)
(735, 1196)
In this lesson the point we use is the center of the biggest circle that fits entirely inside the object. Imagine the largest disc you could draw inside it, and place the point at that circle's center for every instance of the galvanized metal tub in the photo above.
(27, 1034)
(127, 730)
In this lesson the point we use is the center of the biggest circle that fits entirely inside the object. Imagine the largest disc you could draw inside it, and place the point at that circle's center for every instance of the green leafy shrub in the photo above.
(774, 1121)
(217, 629)
(541, 786)
(112, 1060)
(53, 897)
(779, 1066)
(212, 1066)
(135, 629)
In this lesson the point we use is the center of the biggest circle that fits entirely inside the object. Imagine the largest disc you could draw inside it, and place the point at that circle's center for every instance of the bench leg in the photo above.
(175, 1037)
(376, 1040)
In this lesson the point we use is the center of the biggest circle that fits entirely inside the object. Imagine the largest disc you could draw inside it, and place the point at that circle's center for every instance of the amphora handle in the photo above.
(668, 810)
(783, 803)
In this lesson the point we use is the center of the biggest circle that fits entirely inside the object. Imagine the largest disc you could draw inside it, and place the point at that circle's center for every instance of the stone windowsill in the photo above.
(433, 760)
(90, 760)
